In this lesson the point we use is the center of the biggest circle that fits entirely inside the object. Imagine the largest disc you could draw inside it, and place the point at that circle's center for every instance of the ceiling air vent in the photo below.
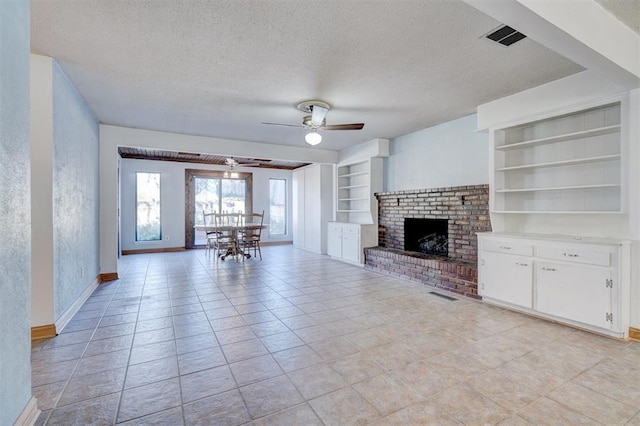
(505, 35)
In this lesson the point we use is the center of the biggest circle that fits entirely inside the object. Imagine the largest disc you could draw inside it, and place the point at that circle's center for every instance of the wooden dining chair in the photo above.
(210, 234)
(251, 233)
(226, 235)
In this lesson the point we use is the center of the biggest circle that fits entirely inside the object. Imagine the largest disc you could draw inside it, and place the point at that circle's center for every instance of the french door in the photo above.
(213, 191)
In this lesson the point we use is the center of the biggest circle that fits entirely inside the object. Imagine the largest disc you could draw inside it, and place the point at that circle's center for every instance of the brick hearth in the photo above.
(466, 208)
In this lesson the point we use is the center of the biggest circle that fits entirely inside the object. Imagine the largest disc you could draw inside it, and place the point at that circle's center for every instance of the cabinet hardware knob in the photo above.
(505, 247)
(570, 255)
(522, 264)
(548, 269)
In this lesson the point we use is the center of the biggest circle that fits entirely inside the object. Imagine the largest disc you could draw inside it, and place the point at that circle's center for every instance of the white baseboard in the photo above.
(69, 313)
(29, 415)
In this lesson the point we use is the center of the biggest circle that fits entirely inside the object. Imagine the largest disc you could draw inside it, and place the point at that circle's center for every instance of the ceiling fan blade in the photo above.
(353, 126)
(318, 114)
(282, 124)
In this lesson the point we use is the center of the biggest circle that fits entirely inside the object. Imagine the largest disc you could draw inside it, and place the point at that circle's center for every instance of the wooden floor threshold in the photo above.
(109, 276)
(43, 331)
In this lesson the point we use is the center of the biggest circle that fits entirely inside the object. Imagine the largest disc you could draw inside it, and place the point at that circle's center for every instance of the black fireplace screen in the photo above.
(428, 236)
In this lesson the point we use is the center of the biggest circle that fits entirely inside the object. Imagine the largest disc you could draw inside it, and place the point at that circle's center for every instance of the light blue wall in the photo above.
(15, 211)
(450, 154)
(76, 216)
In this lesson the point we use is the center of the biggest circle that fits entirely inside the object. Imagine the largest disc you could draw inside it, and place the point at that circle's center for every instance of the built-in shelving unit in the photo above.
(565, 164)
(356, 225)
(355, 191)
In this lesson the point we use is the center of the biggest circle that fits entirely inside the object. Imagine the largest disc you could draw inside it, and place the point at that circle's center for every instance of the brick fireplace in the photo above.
(466, 209)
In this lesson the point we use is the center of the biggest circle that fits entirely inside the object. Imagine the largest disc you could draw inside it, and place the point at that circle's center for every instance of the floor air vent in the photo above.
(505, 35)
(452, 299)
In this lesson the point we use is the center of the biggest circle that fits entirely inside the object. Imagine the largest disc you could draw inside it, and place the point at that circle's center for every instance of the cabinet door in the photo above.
(312, 209)
(508, 278)
(351, 247)
(334, 240)
(574, 292)
(298, 208)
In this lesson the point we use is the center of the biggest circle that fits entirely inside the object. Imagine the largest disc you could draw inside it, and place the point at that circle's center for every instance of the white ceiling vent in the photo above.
(505, 35)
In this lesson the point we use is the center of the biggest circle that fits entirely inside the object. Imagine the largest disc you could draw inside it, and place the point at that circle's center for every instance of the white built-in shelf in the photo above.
(561, 188)
(353, 199)
(562, 138)
(598, 159)
(346, 175)
(577, 170)
(353, 186)
(356, 183)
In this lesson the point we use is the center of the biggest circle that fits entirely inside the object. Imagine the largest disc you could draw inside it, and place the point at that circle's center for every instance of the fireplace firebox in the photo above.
(427, 236)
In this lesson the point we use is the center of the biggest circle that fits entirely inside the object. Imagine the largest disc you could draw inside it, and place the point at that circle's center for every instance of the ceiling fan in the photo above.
(233, 162)
(317, 121)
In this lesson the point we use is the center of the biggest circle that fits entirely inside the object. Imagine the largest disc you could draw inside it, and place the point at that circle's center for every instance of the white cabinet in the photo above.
(351, 247)
(297, 184)
(581, 282)
(334, 240)
(576, 292)
(346, 241)
(565, 164)
(508, 278)
(312, 206)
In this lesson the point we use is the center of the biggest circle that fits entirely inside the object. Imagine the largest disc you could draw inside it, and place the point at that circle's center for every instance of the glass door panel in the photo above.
(206, 198)
(233, 196)
(214, 194)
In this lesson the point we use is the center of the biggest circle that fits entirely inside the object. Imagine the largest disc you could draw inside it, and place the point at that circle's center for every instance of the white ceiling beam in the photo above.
(580, 30)
(115, 136)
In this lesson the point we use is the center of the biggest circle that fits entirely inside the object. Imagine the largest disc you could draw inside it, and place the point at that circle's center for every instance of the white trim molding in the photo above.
(69, 313)
(30, 413)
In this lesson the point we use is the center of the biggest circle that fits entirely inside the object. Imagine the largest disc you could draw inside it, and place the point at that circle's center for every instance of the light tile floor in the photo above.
(300, 338)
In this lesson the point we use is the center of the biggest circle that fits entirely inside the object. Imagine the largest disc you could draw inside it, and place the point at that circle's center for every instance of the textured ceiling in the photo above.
(220, 68)
(626, 11)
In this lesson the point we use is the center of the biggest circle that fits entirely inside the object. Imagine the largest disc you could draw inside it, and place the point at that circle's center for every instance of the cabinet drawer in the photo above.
(587, 255)
(508, 247)
(335, 227)
(351, 229)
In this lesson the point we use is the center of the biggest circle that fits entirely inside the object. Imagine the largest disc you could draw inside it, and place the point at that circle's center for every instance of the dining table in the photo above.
(235, 230)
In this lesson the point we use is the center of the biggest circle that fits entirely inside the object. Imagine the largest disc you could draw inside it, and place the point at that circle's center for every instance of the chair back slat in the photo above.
(253, 219)
(227, 219)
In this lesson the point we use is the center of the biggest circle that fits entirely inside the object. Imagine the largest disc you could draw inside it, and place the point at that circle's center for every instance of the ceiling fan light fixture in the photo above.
(318, 114)
(313, 138)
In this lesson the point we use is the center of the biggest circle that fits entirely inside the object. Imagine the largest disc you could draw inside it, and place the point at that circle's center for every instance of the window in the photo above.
(148, 207)
(277, 206)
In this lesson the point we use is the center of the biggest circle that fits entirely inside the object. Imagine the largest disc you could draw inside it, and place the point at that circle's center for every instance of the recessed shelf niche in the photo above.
(564, 164)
